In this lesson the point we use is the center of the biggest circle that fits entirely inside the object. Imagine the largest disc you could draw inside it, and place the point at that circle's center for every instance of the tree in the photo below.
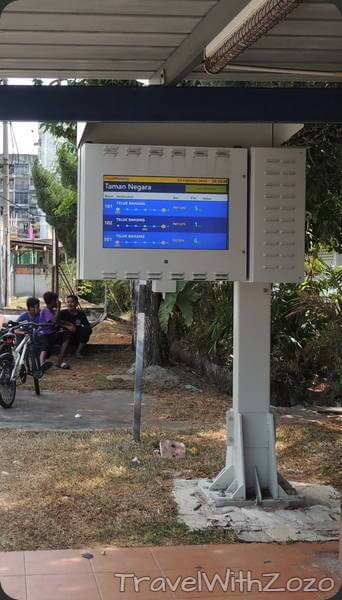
(323, 184)
(57, 195)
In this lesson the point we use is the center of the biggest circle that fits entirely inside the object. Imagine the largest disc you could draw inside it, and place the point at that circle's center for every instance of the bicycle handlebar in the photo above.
(11, 325)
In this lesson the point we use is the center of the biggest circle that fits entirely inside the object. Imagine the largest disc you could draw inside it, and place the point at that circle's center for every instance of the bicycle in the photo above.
(21, 359)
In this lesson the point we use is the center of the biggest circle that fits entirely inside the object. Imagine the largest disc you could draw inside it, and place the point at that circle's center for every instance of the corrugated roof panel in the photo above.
(41, 21)
(195, 8)
(76, 52)
(91, 38)
(134, 38)
(106, 38)
(298, 42)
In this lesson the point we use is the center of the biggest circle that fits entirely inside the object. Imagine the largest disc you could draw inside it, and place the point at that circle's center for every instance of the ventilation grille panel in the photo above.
(154, 276)
(221, 276)
(109, 275)
(199, 276)
(277, 214)
(132, 275)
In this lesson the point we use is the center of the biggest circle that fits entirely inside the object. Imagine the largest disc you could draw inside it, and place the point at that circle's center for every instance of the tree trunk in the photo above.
(156, 346)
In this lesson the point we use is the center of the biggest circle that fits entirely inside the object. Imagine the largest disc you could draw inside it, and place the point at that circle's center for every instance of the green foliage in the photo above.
(206, 313)
(306, 329)
(180, 303)
(67, 161)
(59, 203)
(306, 332)
(323, 184)
(61, 130)
(212, 331)
(118, 294)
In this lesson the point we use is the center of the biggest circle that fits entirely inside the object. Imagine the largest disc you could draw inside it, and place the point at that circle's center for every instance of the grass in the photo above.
(312, 453)
(64, 490)
(78, 490)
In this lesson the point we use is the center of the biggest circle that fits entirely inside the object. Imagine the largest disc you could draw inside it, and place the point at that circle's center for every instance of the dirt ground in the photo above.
(73, 489)
(112, 332)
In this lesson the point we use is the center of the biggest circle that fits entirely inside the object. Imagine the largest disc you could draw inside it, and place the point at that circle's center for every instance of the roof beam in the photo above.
(190, 52)
(175, 104)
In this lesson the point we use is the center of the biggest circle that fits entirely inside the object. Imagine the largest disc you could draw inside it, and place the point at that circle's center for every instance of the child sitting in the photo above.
(50, 333)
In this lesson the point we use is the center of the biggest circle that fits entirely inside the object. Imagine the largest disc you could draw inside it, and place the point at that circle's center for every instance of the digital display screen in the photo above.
(171, 213)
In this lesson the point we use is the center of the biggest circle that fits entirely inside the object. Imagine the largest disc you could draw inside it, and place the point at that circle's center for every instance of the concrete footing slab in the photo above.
(317, 520)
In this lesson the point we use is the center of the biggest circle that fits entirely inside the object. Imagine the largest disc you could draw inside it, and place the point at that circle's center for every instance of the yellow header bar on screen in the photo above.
(143, 179)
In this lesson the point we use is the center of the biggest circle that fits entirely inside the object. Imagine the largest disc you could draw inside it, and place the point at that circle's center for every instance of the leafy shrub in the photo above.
(118, 294)
(306, 329)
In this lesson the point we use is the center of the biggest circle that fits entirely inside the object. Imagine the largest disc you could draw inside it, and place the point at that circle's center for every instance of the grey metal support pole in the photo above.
(139, 361)
(6, 216)
(250, 473)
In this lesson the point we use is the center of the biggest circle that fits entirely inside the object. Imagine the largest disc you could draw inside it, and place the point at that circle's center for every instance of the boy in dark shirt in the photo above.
(76, 321)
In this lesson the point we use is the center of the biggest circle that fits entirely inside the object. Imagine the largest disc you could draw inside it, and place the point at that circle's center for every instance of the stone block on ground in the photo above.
(171, 449)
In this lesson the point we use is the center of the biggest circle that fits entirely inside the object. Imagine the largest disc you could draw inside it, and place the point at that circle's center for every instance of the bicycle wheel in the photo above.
(7, 387)
(34, 369)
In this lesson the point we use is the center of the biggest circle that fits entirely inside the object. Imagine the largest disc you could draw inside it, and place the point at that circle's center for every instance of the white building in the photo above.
(333, 259)
(47, 149)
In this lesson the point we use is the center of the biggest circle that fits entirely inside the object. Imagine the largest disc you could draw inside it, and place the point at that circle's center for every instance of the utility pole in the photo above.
(6, 214)
(55, 262)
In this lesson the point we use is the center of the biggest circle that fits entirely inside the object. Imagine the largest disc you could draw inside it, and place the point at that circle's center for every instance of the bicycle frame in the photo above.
(19, 355)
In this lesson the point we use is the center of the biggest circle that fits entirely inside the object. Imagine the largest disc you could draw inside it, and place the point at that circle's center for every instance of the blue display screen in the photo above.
(170, 213)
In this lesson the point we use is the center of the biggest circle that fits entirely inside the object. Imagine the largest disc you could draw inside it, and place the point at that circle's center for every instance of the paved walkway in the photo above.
(103, 410)
(67, 575)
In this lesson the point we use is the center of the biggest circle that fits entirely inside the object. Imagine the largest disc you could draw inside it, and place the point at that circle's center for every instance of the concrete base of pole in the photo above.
(250, 475)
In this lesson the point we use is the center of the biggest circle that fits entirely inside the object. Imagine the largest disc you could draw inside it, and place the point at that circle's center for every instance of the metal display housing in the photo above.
(99, 160)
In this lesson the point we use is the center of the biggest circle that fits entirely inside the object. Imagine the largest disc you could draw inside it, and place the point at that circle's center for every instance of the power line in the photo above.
(14, 142)
(16, 206)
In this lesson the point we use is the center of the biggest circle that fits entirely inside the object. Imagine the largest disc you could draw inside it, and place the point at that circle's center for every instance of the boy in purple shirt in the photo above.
(50, 334)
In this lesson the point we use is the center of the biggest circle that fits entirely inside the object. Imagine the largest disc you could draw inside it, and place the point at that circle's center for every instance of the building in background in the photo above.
(27, 219)
(47, 155)
(331, 258)
(47, 149)
(31, 267)
(31, 235)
